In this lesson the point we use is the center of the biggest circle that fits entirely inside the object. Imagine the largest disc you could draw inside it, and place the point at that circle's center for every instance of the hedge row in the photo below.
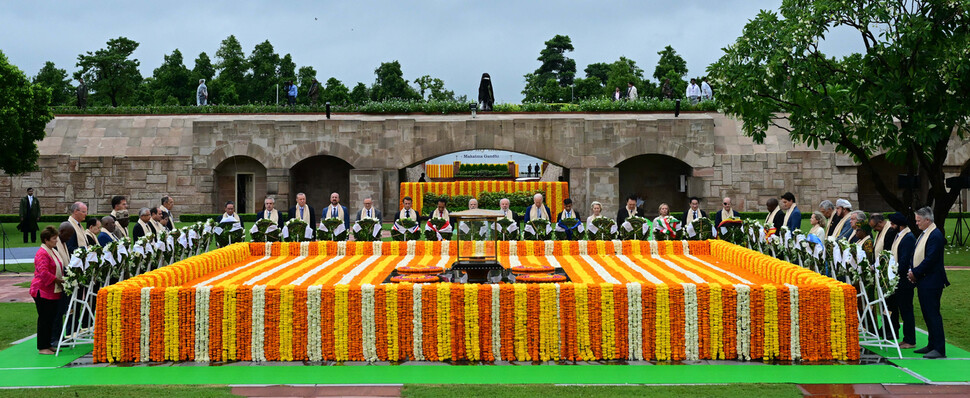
(396, 107)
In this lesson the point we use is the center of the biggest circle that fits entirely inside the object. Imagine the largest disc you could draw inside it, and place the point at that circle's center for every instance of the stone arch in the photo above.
(655, 178)
(248, 149)
(670, 148)
(289, 159)
(241, 179)
(318, 176)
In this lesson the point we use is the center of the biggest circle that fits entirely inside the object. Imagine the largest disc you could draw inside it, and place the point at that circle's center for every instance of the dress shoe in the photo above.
(924, 350)
(934, 355)
(906, 346)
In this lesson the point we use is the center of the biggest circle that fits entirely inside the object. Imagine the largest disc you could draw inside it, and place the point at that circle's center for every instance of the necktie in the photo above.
(695, 213)
(368, 213)
(333, 212)
(407, 213)
(301, 212)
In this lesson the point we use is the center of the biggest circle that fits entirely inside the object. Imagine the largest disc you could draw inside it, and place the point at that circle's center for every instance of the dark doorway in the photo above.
(656, 179)
(242, 180)
(318, 177)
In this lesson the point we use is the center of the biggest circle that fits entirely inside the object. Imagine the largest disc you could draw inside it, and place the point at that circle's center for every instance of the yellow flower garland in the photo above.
(171, 339)
(229, 323)
(662, 343)
(582, 322)
(286, 323)
(771, 349)
(837, 328)
(607, 321)
(444, 321)
(548, 323)
(471, 322)
(390, 307)
(521, 344)
(340, 322)
(715, 313)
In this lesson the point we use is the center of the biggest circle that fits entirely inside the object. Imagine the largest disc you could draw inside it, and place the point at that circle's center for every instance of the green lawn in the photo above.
(121, 391)
(955, 309)
(545, 390)
(17, 320)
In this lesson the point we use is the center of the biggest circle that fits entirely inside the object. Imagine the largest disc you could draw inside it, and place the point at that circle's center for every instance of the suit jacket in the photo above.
(138, 232)
(313, 215)
(377, 214)
(846, 230)
(778, 220)
(907, 246)
(683, 217)
(718, 219)
(528, 210)
(45, 273)
(795, 221)
(280, 218)
(832, 223)
(342, 208)
(29, 214)
(104, 238)
(417, 216)
(171, 220)
(930, 273)
(622, 214)
(72, 244)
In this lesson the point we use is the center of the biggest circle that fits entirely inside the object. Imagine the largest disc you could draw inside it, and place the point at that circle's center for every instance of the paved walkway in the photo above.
(10, 293)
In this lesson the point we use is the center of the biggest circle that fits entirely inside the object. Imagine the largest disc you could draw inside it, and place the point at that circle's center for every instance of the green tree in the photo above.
(554, 66)
(110, 72)
(590, 87)
(203, 69)
(359, 95)
(232, 66)
(304, 79)
(263, 77)
(58, 82)
(599, 70)
(338, 94)
(905, 95)
(390, 83)
(435, 88)
(172, 83)
(24, 112)
(624, 71)
(287, 71)
(669, 61)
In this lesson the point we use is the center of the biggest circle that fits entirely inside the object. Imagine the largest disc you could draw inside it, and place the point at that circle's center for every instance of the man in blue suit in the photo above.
(900, 303)
(793, 216)
(930, 278)
(336, 210)
(538, 209)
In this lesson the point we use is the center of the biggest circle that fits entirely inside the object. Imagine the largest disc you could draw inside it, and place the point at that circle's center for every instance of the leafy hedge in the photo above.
(483, 170)
(394, 107)
(518, 201)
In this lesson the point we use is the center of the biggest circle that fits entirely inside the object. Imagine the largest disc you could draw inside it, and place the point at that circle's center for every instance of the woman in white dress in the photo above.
(817, 229)
(597, 208)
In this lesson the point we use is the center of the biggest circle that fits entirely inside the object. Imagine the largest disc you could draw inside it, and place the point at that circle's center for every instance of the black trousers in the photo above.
(46, 312)
(900, 304)
(929, 303)
(33, 236)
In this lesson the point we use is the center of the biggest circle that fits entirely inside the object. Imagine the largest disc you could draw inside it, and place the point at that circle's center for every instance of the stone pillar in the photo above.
(595, 184)
(365, 183)
(392, 193)
(278, 186)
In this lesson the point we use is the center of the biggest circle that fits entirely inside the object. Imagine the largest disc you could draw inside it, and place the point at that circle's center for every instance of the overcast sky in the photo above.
(452, 40)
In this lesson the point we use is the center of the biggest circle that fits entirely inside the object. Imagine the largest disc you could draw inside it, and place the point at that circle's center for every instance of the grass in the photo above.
(121, 391)
(17, 320)
(545, 390)
(954, 308)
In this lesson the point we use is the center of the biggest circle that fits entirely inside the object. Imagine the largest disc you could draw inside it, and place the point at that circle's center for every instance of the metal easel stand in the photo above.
(79, 312)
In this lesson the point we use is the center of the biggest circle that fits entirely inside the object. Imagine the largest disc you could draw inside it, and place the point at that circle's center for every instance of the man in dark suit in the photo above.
(29, 216)
(538, 209)
(144, 225)
(793, 216)
(336, 210)
(630, 210)
(694, 212)
(167, 205)
(930, 278)
(775, 216)
(304, 211)
(369, 211)
(726, 212)
(900, 303)
(270, 212)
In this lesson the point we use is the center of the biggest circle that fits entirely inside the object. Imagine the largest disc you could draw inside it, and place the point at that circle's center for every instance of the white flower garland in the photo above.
(690, 326)
(549, 247)
(259, 303)
(304, 249)
(368, 333)
(583, 250)
(496, 323)
(417, 331)
(686, 247)
(796, 342)
(514, 254)
(146, 325)
(743, 321)
(617, 248)
(341, 248)
(377, 247)
(202, 323)
(314, 343)
(634, 325)
(654, 250)
(445, 248)
(412, 245)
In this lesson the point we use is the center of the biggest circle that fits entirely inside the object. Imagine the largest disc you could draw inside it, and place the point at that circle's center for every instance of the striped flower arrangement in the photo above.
(626, 300)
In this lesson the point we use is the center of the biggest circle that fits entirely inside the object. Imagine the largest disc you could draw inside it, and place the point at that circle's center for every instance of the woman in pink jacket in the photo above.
(46, 288)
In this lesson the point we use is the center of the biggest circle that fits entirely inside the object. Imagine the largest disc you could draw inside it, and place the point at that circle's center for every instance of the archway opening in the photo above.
(655, 179)
(240, 179)
(318, 177)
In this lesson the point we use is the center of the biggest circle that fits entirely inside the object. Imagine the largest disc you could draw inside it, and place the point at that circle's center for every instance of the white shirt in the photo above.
(30, 200)
(693, 91)
(706, 90)
(633, 92)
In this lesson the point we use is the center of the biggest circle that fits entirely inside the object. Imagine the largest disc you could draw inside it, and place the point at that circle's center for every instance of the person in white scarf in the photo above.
(929, 275)
(597, 209)
(270, 212)
(694, 212)
(537, 209)
(231, 214)
(144, 226)
(108, 228)
(407, 211)
(79, 215)
(504, 205)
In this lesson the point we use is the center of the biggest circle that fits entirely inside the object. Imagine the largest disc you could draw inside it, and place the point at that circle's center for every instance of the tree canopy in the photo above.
(111, 72)
(58, 82)
(24, 112)
(904, 95)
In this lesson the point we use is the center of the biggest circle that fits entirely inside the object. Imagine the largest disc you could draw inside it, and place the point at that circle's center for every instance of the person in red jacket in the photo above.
(46, 288)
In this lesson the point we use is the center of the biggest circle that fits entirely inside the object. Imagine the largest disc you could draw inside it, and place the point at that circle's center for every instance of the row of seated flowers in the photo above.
(801, 315)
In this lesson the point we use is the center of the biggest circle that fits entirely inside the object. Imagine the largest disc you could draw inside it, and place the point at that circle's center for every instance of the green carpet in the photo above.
(938, 370)
(551, 374)
(24, 355)
(952, 351)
